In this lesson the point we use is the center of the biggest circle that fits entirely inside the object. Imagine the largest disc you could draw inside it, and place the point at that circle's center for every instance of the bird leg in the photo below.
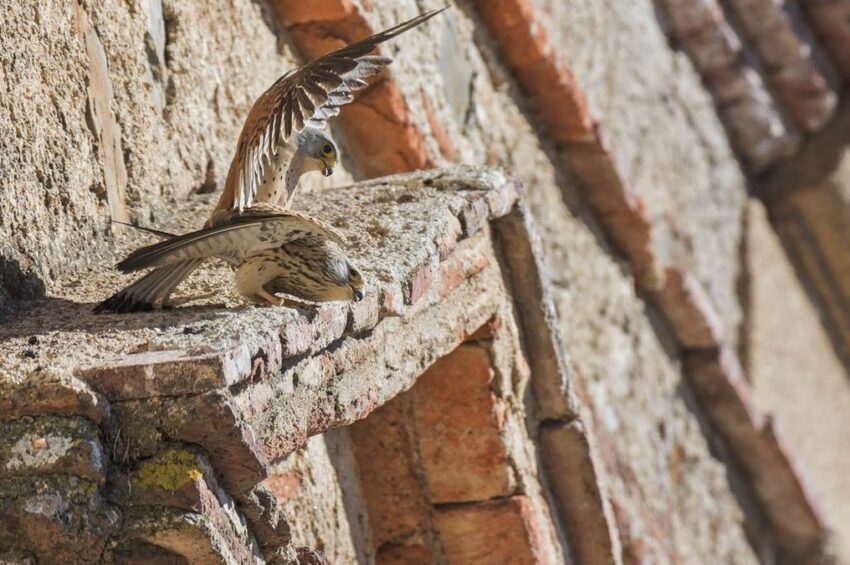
(270, 298)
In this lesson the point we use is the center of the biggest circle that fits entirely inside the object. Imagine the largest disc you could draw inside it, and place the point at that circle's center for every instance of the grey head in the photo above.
(319, 149)
(320, 271)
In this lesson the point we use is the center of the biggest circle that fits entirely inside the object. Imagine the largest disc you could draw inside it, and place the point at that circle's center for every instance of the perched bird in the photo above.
(282, 139)
(273, 250)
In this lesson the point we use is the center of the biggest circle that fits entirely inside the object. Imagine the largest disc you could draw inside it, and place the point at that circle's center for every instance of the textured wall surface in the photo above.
(673, 151)
(141, 100)
(129, 109)
(796, 373)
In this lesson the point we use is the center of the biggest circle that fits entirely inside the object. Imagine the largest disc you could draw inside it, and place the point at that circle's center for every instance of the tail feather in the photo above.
(149, 292)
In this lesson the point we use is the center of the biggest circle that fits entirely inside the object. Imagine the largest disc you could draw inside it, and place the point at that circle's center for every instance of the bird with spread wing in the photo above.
(283, 135)
(281, 140)
(272, 249)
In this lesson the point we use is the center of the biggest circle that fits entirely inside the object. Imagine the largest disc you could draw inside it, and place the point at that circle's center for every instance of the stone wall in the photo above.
(575, 393)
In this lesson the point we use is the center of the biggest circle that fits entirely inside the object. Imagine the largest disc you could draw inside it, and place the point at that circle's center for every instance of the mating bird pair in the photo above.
(273, 249)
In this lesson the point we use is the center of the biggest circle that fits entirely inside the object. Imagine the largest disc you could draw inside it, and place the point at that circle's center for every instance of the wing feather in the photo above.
(304, 97)
(234, 238)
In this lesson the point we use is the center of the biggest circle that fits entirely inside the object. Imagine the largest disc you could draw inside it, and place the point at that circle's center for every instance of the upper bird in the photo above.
(283, 137)
(281, 140)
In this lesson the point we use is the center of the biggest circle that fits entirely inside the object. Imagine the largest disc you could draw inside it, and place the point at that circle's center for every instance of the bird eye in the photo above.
(327, 149)
(354, 274)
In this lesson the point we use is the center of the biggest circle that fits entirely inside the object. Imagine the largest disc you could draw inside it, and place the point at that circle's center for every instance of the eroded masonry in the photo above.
(606, 319)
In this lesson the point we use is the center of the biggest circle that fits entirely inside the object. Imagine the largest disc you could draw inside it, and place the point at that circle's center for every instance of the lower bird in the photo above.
(273, 250)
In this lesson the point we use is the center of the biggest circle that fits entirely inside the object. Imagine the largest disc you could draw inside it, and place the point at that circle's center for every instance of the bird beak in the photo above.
(327, 170)
(358, 294)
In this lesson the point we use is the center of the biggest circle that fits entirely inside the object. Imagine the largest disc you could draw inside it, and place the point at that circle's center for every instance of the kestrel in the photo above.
(272, 248)
(281, 140)
(282, 137)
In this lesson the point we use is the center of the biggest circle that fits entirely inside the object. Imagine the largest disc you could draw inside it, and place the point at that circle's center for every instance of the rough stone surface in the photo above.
(115, 108)
(694, 196)
(95, 122)
(795, 373)
(319, 495)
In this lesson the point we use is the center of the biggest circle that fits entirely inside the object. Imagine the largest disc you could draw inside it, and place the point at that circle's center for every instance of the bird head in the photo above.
(320, 271)
(343, 280)
(320, 149)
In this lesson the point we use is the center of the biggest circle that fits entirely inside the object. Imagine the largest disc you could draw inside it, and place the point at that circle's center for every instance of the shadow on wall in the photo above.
(17, 285)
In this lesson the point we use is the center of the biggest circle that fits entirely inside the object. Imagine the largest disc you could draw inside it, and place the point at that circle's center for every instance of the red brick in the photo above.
(487, 331)
(457, 419)
(384, 139)
(285, 485)
(460, 267)
(444, 142)
(723, 391)
(396, 554)
(620, 212)
(298, 11)
(689, 310)
(422, 280)
(384, 452)
(501, 532)
(525, 47)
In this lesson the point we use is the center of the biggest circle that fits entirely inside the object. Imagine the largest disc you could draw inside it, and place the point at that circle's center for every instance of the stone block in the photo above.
(577, 484)
(499, 532)
(51, 445)
(689, 311)
(396, 501)
(458, 427)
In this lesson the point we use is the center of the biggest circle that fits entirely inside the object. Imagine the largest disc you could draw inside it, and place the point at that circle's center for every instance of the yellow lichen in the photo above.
(170, 470)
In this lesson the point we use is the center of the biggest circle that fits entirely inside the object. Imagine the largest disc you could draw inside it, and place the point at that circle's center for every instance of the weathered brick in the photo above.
(296, 337)
(458, 427)
(446, 240)
(406, 554)
(392, 299)
(422, 280)
(51, 445)
(167, 373)
(689, 310)
(366, 314)
(552, 87)
(723, 391)
(466, 263)
(578, 489)
(384, 451)
(499, 532)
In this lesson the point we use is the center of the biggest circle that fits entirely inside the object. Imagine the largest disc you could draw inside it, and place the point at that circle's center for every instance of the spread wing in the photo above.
(303, 97)
(234, 237)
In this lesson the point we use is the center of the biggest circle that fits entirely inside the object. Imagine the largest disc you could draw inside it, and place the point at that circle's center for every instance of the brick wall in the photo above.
(623, 401)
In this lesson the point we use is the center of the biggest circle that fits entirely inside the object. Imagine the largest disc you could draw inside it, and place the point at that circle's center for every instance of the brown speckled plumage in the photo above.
(271, 248)
(280, 140)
